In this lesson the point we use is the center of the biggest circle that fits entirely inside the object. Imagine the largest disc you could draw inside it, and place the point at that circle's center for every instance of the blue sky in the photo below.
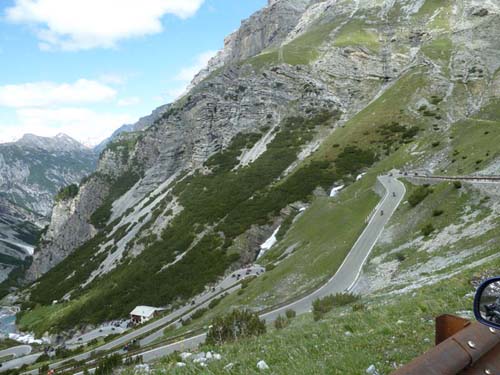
(84, 67)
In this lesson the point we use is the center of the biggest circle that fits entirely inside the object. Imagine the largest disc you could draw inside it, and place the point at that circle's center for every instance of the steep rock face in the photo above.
(266, 28)
(293, 58)
(32, 170)
(69, 227)
(70, 223)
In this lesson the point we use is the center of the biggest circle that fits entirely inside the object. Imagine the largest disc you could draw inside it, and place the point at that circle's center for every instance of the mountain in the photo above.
(32, 171)
(141, 124)
(305, 96)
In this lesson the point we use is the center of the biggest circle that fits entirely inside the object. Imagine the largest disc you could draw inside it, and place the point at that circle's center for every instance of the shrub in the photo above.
(67, 192)
(247, 281)
(108, 364)
(359, 307)
(419, 195)
(234, 326)
(43, 358)
(186, 322)
(199, 313)
(437, 212)
(400, 257)
(321, 306)
(281, 322)
(435, 144)
(285, 226)
(214, 302)
(427, 230)
(353, 159)
(457, 184)
(270, 267)
(290, 314)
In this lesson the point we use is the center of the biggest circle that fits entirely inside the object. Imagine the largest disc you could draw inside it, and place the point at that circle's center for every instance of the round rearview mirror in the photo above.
(487, 303)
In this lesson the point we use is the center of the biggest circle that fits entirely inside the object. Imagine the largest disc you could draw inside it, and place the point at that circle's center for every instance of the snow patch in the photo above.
(269, 243)
(336, 190)
(27, 338)
(360, 176)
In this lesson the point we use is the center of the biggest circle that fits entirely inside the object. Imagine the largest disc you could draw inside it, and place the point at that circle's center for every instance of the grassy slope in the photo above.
(317, 257)
(391, 331)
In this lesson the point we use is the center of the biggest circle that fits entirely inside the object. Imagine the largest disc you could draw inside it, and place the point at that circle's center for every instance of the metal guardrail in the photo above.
(462, 348)
(477, 178)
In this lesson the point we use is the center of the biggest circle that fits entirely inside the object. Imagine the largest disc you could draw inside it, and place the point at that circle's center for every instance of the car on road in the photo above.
(394, 194)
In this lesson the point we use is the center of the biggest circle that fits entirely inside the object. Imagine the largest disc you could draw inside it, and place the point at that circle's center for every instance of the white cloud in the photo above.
(85, 125)
(126, 102)
(43, 94)
(86, 24)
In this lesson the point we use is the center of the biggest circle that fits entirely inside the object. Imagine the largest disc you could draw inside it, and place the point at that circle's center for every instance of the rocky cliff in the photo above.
(32, 171)
(171, 205)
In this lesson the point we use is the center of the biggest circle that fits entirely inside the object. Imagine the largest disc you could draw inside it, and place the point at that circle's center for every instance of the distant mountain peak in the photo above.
(61, 142)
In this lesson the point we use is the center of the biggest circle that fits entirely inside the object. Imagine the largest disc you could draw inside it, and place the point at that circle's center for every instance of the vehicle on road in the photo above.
(382, 213)
(394, 194)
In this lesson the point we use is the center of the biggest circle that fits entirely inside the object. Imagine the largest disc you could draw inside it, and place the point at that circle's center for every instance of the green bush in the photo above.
(107, 365)
(457, 184)
(358, 307)
(237, 325)
(353, 159)
(270, 267)
(214, 302)
(199, 313)
(67, 192)
(437, 212)
(419, 195)
(321, 306)
(281, 322)
(427, 230)
(290, 314)
(285, 225)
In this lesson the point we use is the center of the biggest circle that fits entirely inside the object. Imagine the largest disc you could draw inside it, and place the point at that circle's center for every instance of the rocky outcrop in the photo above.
(266, 28)
(69, 227)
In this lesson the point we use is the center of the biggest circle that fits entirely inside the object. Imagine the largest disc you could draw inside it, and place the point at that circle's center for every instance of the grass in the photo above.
(430, 9)
(473, 140)
(439, 50)
(357, 33)
(305, 49)
(407, 223)
(389, 332)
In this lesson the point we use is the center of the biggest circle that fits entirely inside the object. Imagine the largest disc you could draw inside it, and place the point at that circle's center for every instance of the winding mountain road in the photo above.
(343, 280)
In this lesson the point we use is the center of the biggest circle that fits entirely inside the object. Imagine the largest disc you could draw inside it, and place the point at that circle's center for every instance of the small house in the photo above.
(142, 314)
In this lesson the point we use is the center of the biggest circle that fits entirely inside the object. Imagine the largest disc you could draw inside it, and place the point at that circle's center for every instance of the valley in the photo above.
(344, 148)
